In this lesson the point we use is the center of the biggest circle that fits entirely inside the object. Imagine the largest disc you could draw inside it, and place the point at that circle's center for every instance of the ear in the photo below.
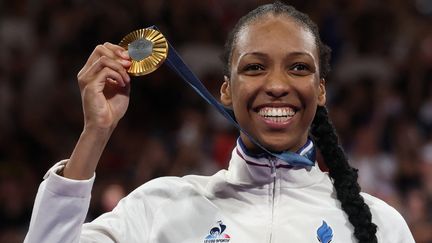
(225, 91)
(322, 93)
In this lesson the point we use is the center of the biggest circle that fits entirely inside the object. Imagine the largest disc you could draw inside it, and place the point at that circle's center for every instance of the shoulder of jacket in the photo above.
(166, 186)
(390, 223)
(173, 187)
(380, 207)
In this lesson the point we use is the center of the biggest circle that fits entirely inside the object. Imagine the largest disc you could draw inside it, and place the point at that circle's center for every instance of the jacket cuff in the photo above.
(63, 186)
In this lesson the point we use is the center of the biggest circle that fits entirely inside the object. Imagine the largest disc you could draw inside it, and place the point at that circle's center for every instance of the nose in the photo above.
(277, 85)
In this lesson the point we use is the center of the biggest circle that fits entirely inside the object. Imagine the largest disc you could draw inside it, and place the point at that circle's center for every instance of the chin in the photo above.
(275, 143)
(280, 144)
(277, 147)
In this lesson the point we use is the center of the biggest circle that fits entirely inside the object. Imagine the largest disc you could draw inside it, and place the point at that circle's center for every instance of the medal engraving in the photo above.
(140, 49)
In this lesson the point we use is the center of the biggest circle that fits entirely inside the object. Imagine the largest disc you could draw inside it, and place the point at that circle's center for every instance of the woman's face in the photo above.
(274, 88)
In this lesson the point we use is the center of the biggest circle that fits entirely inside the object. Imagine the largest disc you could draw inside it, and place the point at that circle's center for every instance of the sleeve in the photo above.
(129, 222)
(60, 208)
(135, 218)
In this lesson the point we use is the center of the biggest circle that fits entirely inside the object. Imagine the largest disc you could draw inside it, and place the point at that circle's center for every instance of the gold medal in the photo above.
(147, 49)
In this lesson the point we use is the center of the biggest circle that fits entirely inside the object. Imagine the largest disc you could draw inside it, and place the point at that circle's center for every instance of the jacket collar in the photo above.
(259, 169)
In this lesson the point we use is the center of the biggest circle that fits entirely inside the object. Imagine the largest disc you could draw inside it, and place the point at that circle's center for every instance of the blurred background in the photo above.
(380, 97)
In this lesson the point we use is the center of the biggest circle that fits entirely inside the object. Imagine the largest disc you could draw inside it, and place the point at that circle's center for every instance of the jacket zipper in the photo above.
(273, 175)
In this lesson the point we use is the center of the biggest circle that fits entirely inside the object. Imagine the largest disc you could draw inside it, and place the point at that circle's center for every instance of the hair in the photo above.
(344, 176)
(277, 8)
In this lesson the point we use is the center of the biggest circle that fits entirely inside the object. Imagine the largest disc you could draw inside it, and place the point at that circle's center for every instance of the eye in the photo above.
(300, 69)
(253, 69)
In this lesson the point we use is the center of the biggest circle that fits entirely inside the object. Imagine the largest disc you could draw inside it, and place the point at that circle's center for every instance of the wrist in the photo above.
(86, 155)
(99, 131)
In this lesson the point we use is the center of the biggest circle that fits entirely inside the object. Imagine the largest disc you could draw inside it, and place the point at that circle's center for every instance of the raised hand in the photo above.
(105, 87)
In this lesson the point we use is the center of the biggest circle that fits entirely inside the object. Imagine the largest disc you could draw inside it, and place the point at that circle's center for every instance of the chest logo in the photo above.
(217, 234)
(325, 233)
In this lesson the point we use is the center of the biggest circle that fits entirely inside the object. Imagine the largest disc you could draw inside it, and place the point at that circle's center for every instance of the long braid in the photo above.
(344, 177)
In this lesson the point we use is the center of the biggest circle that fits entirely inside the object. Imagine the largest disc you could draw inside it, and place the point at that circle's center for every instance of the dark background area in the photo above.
(380, 97)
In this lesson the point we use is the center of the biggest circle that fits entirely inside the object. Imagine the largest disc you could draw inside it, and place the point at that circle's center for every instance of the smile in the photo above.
(277, 114)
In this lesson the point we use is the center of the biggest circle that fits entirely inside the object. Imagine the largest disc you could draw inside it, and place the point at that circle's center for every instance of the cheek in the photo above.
(239, 102)
(310, 91)
(309, 99)
(243, 92)
(243, 96)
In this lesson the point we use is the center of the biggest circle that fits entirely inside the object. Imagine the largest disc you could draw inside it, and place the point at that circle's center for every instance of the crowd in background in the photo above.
(379, 97)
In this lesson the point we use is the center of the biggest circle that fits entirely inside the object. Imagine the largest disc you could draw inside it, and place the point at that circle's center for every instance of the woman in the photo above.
(275, 84)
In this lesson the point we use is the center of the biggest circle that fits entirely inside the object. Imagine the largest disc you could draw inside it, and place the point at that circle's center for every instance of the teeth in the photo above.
(280, 114)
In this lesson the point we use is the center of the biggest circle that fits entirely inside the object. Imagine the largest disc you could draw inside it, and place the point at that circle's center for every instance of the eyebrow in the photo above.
(300, 53)
(261, 54)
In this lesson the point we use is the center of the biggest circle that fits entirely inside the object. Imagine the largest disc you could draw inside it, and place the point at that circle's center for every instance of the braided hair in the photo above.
(344, 176)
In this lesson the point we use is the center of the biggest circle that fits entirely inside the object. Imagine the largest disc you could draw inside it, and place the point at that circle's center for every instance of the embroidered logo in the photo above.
(217, 234)
(325, 233)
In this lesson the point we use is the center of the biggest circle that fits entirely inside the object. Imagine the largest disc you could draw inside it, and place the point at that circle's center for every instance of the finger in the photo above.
(118, 65)
(108, 50)
(99, 51)
(104, 62)
(113, 84)
(97, 80)
(108, 75)
(118, 50)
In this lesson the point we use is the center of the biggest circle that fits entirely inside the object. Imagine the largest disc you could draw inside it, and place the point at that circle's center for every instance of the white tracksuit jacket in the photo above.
(245, 204)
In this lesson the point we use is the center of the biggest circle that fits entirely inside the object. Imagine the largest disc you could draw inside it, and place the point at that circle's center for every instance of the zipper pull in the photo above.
(273, 166)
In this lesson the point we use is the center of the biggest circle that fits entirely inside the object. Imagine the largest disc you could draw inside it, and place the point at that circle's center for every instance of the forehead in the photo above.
(279, 34)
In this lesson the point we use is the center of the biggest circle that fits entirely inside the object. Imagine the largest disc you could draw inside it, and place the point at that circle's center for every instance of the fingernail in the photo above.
(125, 62)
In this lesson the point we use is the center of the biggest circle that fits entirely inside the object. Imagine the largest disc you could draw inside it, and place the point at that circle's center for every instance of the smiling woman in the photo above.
(275, 66)
(274, 82)
(271, 73)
